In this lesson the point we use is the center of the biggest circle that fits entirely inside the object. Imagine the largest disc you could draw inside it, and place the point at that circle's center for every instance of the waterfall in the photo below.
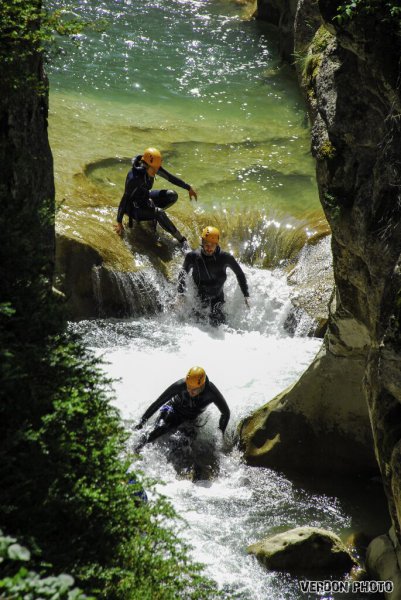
(129, 294)
(97, 291)
(299, 308)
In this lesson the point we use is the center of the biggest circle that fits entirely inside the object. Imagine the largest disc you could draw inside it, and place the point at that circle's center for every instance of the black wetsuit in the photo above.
(142, 204)
(177, 407)
(209, 274)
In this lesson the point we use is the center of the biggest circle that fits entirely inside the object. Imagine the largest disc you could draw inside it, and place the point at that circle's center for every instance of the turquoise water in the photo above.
(195, 80)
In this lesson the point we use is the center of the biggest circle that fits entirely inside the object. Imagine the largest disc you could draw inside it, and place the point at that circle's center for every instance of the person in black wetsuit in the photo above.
(209, 271)
(183, 402)
(142, 204)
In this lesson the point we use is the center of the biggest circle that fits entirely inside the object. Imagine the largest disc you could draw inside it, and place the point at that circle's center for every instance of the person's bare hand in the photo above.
(119, 228)
(192, 194)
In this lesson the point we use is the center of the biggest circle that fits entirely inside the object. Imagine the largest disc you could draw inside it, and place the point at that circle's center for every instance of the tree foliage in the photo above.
(383, 10)
(26, 29)
(22, 582)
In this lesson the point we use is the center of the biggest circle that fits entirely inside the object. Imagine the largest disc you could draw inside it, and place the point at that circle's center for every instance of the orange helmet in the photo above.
(211, 234)
(196, 378)
(152, 158)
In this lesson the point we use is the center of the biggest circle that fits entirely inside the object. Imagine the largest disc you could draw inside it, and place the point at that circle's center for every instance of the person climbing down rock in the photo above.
(209, 271)
(142, 204)
(182, 402)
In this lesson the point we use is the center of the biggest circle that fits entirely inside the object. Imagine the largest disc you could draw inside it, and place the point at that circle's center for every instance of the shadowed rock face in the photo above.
(357, 110)
(26, 166)
(351, 77)
(282, 14)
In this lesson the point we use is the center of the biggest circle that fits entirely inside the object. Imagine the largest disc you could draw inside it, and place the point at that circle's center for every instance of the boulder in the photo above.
(382, 563)
(304, 550)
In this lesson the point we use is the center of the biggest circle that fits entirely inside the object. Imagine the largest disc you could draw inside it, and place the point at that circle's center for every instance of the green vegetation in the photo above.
(385, 10)
(332, 207)
(63, 489)
(18, 582)
(310, 60)
(26, 29)
(326, 150)
(66, 483)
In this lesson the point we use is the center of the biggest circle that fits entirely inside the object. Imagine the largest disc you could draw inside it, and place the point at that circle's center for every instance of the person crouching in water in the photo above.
(182, 402)
(142, 204)
(209, 272)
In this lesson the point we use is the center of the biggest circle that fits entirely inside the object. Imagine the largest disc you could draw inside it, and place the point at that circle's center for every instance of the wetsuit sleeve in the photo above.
(222, 405)
(169, 393)
(122, 208)
(240, 275)
(186, 267)
(173, 179)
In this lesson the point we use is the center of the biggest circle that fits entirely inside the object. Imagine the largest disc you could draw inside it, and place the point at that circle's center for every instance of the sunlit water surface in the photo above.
(197, 81)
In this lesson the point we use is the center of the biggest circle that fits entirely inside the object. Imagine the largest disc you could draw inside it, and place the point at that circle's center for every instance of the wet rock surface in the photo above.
(304, 550)
(312, 283)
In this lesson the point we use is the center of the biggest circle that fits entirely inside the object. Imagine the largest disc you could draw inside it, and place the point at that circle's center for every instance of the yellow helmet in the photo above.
(211, 234)
(152, 158)
(196, 377)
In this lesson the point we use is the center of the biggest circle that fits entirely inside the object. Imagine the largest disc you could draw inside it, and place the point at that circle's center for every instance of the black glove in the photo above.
(140, 424)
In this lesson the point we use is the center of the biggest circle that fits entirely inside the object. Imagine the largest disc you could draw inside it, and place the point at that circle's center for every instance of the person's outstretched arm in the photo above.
(123, 206)
(182, 276)
(169, 393)
(177, 181)
(222, 405)
(240, 275)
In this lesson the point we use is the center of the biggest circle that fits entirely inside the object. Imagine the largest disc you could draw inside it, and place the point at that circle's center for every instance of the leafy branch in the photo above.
(385, 10)
(27, 30)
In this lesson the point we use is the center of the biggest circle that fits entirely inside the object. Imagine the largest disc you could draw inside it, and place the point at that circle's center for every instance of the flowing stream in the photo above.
(205, 86)
(230, 505)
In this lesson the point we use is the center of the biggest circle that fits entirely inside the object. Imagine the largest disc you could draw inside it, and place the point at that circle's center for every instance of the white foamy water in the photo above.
(249, 368)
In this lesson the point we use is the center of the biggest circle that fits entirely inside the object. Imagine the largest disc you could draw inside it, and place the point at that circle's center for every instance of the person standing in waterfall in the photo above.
(142, 204)
(182, 402)
(209, 271)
